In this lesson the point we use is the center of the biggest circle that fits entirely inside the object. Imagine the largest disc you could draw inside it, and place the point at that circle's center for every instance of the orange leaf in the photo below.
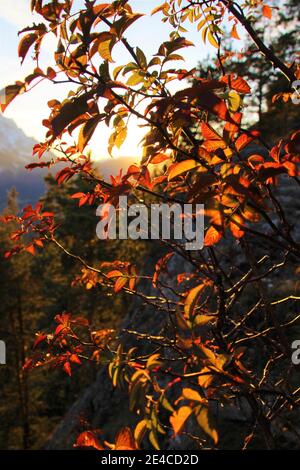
(213, 140)
(212, 236)
(30, 249)
(236, 230)
(182, 167)
(88, 439)
(234, 33)
(236, 83)
(119, 284)
(67, 368)
(267, 11)
(125, 440)
(179, 418)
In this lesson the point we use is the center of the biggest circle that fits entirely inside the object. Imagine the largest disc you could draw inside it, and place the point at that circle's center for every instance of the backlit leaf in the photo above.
(179, 418)
(25, 44)
(125, 440)
(88, 439)
(203, 421)
(212, 236)
(182, 167)
(192, 298)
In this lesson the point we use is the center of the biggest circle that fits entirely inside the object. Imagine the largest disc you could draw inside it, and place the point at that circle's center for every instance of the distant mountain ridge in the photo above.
(16, 152)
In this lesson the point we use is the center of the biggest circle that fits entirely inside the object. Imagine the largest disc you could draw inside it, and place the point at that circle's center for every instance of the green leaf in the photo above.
(135, 79)
(106, 42)
(141, 58)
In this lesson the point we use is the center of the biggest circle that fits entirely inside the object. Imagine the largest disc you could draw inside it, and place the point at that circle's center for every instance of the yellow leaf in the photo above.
(212, 39)
(234, 101)
(86, 132)
(179, 418)
(191, 299)
(202, 320)
(182, 167)
(206, 379)
(203, 421)
(106, 42)
(140, 430)
(160, 7)
(191, 394)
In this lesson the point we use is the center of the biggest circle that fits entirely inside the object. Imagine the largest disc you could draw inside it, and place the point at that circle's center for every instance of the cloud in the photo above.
(19, 14)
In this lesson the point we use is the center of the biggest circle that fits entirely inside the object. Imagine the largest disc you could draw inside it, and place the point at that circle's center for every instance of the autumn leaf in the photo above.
(205, 377)
(104, 45)
(234, 33)
(161, 7)
(182, 167)
(242, 141)
(86, 132)
(25, 44)
(191, 299)
(160, 265)
(212, 236)
(88, 439)
(236, 222)
(213, 140)
(119, 284)
(179, 418)
(140, 431)
(9, 93)
(236, 83)
(192, 395)
(39, 339)
(267, 11)
(71, 110)
(203, 421)
(67, 368)
(125, 440)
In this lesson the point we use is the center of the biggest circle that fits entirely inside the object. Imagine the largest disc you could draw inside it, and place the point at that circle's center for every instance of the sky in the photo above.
(29, 109)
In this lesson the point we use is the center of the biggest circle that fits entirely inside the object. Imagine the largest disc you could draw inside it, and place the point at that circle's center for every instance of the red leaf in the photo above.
(67, 368)
(39, 339)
